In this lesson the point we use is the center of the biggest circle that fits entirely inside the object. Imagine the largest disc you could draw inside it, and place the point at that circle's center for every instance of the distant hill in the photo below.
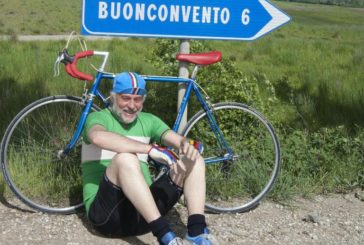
(346, 3)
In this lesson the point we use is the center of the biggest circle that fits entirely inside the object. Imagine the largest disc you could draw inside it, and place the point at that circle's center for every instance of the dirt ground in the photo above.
(330, 219)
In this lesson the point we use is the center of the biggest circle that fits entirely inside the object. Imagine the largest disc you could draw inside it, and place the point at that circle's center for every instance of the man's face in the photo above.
(128, 106)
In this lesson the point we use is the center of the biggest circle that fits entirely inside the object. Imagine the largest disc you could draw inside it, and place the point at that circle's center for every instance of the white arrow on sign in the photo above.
(278, 19)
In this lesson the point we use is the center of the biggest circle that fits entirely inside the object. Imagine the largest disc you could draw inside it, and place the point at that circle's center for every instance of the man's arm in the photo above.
(98, 136)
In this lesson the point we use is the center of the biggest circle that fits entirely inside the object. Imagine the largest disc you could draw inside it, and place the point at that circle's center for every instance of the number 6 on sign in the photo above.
(245, 19)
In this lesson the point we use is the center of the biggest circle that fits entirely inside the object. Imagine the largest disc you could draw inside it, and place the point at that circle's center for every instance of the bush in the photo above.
(327, 160)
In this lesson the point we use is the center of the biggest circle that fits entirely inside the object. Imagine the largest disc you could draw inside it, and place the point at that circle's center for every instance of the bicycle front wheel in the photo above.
(240, 183)
(29, 155)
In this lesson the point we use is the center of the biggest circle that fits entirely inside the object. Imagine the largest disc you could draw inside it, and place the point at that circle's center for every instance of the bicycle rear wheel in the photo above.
(29, 155)
(237, 185)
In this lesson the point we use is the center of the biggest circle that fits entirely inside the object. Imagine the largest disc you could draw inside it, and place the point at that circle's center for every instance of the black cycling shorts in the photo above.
(111, 213)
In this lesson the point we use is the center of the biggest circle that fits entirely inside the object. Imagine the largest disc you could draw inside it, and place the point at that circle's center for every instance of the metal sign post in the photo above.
(183, 72)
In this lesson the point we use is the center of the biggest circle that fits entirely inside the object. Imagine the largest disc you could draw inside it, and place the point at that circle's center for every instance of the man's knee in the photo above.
(123, 163)
(122, 158)
(198, 164)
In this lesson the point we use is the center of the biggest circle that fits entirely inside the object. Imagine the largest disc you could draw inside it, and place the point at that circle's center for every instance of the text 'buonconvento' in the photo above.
(167, 13)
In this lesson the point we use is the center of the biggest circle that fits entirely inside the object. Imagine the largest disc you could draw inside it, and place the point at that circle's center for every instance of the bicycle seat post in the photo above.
(194, 72)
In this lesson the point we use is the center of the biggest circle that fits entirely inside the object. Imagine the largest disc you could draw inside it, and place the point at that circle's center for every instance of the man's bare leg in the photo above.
(125, 172)
(193, 182)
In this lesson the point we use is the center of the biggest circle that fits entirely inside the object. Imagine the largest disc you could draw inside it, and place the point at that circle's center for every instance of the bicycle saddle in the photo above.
(200, 58)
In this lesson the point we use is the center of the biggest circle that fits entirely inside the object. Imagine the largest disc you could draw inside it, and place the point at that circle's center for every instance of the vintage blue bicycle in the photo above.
(41, 148)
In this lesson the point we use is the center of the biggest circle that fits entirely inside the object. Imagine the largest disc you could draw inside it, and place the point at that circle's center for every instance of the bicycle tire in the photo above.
(237, 185)
(29, 160)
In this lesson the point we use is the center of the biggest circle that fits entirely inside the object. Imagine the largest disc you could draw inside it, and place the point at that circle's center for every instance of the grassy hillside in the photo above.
(39, 16)
(346, 3)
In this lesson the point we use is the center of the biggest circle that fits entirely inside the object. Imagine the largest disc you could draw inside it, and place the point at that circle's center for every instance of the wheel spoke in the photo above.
(29, 155)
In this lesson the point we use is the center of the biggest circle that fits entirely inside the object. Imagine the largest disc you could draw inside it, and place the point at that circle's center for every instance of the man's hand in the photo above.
(191, 148)
(162, 155)
(198, 145)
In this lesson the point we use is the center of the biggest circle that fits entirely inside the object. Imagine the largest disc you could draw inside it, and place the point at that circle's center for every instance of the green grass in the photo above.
(39, 16)
(40, 178)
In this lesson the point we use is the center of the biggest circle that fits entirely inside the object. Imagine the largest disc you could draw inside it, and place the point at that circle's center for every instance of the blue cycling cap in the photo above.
(129, 83)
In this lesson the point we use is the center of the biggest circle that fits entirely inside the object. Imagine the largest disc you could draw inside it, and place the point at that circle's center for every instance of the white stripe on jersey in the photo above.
(93, 153)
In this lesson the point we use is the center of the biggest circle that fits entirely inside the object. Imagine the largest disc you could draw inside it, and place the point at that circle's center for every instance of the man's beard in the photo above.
(119, 113)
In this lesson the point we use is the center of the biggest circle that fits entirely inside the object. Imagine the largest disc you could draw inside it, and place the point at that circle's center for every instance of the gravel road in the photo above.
(330, 219)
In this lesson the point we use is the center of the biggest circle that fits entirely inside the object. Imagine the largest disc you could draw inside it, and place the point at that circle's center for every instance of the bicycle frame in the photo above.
(190, 85)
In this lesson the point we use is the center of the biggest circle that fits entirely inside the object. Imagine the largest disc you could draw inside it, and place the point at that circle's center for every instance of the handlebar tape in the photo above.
(70, 71)
(71, 68)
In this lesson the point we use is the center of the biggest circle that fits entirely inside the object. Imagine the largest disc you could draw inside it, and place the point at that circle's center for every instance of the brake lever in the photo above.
(59, 59)
(63, 57)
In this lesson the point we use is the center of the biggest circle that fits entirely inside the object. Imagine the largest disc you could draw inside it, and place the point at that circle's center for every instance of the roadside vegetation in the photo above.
(306, 77)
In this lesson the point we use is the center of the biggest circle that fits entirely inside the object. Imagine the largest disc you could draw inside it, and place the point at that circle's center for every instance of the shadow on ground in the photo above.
(173, 217)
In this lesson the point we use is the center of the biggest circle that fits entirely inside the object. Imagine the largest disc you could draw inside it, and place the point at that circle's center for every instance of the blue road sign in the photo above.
(187, 19)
